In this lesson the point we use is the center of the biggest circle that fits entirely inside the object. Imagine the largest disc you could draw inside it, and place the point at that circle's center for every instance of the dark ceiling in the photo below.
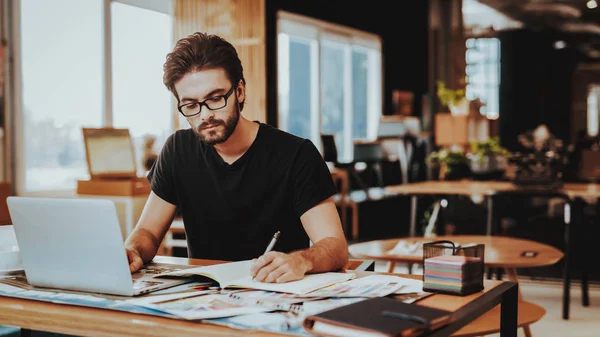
(580, 24)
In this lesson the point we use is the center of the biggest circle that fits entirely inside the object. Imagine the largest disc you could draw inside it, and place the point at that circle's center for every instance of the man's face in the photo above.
(212, 126)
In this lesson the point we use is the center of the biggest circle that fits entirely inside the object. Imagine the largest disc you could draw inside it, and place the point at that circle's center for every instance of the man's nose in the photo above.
(206, 113)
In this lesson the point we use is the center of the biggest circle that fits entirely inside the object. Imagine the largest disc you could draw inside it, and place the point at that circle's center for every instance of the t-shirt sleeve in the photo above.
(161, 175)
(311, 180)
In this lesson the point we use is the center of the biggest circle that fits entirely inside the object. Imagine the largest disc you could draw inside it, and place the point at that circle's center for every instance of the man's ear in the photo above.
(241, 92)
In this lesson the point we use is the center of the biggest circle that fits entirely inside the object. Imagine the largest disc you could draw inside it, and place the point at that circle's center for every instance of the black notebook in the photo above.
(379, 316)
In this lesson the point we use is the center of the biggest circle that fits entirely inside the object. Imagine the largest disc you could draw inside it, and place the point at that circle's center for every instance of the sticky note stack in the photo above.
(453, 274)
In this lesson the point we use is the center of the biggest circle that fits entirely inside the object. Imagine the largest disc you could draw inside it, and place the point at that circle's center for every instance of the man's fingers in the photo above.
(275, 274)
(261, 262)
(130, 255)
(287, 277)
(263, 272)
(135, 261)
(135, 265)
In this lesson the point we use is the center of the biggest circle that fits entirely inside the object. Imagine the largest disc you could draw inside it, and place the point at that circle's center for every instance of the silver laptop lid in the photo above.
(71, 244)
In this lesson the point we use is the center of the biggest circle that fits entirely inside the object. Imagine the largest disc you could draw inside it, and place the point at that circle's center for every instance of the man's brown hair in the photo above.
(202, 51)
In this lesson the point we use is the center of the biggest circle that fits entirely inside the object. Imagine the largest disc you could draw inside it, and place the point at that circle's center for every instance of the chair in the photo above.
(170, 241)
(370, 153)
(576, 220)
(343, 201)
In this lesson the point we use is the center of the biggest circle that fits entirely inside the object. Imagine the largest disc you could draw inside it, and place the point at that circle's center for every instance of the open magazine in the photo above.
(237, 275)
(368, 286)
(198, 306)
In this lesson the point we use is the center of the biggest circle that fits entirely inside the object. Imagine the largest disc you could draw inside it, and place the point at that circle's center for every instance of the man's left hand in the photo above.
(276, 267)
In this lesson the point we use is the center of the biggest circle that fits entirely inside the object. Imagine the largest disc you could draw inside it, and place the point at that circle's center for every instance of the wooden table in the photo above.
(467, 188)
(81, 321)
(575, 194)
(500, 252)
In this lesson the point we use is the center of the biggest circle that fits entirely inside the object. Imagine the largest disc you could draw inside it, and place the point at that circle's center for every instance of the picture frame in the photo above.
(110, 153)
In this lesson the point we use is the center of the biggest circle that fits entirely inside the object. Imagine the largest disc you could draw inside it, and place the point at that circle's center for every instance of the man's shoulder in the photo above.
(181, 139)
(183, 134)
(281, 138)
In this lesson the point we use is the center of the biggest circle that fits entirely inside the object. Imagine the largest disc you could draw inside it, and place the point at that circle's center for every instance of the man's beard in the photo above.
(208, 136)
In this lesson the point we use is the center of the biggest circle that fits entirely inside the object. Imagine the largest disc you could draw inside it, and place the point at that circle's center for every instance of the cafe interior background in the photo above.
(392, 93)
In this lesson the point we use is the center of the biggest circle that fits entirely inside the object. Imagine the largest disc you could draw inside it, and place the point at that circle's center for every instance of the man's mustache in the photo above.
(210, 123)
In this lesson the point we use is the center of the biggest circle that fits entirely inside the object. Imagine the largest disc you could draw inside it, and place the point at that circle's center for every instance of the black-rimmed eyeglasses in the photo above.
(213, 103)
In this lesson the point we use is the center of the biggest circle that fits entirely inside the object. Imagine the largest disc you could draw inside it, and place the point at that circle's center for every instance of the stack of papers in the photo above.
(227, 303)
(452, 273)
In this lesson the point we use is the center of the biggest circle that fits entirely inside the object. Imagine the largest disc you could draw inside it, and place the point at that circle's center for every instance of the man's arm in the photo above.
(143, 243)
(329, 250)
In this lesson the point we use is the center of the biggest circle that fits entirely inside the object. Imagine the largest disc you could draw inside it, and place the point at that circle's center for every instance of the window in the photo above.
(61, 57)
(483, 74)
(141, 39)
(329, 81)
(593, 101)
(64, 83)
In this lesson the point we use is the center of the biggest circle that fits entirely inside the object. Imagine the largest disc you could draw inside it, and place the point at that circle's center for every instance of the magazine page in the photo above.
(237, 275)
(280, 322)
(283, 322)
(410, 286)
(265, 297)
(223, 273)
(368, 286)
(202, 306)
(309, 283)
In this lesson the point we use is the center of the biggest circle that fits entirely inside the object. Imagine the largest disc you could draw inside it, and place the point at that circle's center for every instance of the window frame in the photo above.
(318, 31)
(487, 62)
(16, 143)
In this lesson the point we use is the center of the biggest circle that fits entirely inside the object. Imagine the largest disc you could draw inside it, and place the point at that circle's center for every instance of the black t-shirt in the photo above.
(231, 212)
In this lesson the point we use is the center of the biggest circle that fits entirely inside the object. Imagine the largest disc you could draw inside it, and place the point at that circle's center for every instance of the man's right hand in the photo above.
(135, 260)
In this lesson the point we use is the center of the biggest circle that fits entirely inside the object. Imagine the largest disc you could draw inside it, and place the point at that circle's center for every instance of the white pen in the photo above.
(271, 245)
(273, 242)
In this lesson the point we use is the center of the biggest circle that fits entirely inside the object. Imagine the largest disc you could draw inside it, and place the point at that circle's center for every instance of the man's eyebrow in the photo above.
(215, 91)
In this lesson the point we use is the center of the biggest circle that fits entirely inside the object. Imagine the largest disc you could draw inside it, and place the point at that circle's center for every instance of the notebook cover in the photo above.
(367, 316)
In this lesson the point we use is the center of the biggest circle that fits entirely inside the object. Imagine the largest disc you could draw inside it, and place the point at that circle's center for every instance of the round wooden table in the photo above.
(500, 252)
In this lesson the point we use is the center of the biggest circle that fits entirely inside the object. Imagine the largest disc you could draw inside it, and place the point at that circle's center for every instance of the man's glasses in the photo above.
(213, 103)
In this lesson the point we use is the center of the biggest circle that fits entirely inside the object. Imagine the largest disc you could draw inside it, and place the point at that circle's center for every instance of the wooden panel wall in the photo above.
(241, 22)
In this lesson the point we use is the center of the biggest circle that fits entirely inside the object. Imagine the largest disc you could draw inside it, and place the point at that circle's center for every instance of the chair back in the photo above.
(371, 152)
(330, 153)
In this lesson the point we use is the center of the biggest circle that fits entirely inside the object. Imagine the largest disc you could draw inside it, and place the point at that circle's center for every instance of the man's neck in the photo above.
(239, 141)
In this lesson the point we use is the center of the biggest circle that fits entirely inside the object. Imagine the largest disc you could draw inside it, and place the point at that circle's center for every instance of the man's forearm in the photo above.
(326, 255)
(144, 243)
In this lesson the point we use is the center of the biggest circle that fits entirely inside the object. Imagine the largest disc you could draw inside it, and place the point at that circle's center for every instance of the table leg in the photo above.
(391, 266)
(413, 222)
(585, 296)
(568, 256)
(489, 225)
(511, 273)
(413, 215)
(509, 313)
(490, 215)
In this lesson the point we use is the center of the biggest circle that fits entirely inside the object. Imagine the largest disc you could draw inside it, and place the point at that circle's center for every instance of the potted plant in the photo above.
(542, 160)
(448, 164)
(454, 99)
(488, 158)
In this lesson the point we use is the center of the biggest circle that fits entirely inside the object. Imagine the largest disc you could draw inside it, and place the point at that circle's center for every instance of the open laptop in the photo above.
(76, 244)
